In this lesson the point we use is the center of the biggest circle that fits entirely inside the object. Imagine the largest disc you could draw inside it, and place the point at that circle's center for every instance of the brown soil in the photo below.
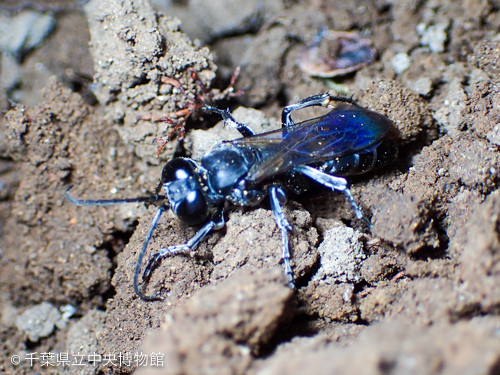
(418, 294)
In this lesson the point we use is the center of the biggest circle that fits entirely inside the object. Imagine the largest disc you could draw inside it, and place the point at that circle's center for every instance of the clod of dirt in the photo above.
(130, 63)
(122, 51)
(46, 235)
(460, 210)
(423, 302)
(433, 36)
(177, 278)
(38, 321)
(383, 264)
(423, 86)
(449, 166)
(265, 83)
(399, 347)
(406, 221)
(478, 270)
(483, 111)
(400, 62)
(252, 240)
(376, 303)
(341, 254)
(404, 107)
(340, 302)
(329, 302)
(474, 163)
(450, 113)
(486, 56)
(270, 61)
(24, 31)
(218, 18)
(81, 342)
(220, 327)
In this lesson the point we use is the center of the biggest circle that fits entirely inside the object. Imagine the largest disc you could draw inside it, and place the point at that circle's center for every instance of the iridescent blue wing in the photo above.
(345, 130)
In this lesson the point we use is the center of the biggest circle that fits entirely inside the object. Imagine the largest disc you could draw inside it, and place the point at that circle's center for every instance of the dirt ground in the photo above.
(419, 293)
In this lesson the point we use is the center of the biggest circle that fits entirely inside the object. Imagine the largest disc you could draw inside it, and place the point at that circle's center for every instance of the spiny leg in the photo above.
(322, 100)
(229, 120)
(278, 197)
(217, 222)
(334, 183)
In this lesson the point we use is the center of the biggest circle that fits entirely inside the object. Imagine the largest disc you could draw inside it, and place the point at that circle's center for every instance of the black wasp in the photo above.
(348, 140)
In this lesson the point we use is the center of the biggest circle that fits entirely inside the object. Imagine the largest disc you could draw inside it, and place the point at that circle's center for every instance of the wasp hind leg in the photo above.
(278, 197)
(333, 183)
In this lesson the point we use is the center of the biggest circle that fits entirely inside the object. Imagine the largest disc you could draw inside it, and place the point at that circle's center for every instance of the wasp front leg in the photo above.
(217, 222)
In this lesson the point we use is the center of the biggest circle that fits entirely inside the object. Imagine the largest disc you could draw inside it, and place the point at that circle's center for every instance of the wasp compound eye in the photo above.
(184, 191)
(177, 169)
(193, 209)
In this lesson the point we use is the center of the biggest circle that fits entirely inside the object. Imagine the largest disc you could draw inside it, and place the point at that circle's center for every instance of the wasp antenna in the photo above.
(104, 202)
(138, 290)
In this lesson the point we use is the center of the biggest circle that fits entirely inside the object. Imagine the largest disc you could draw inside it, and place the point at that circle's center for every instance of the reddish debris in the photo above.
(179, 118)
